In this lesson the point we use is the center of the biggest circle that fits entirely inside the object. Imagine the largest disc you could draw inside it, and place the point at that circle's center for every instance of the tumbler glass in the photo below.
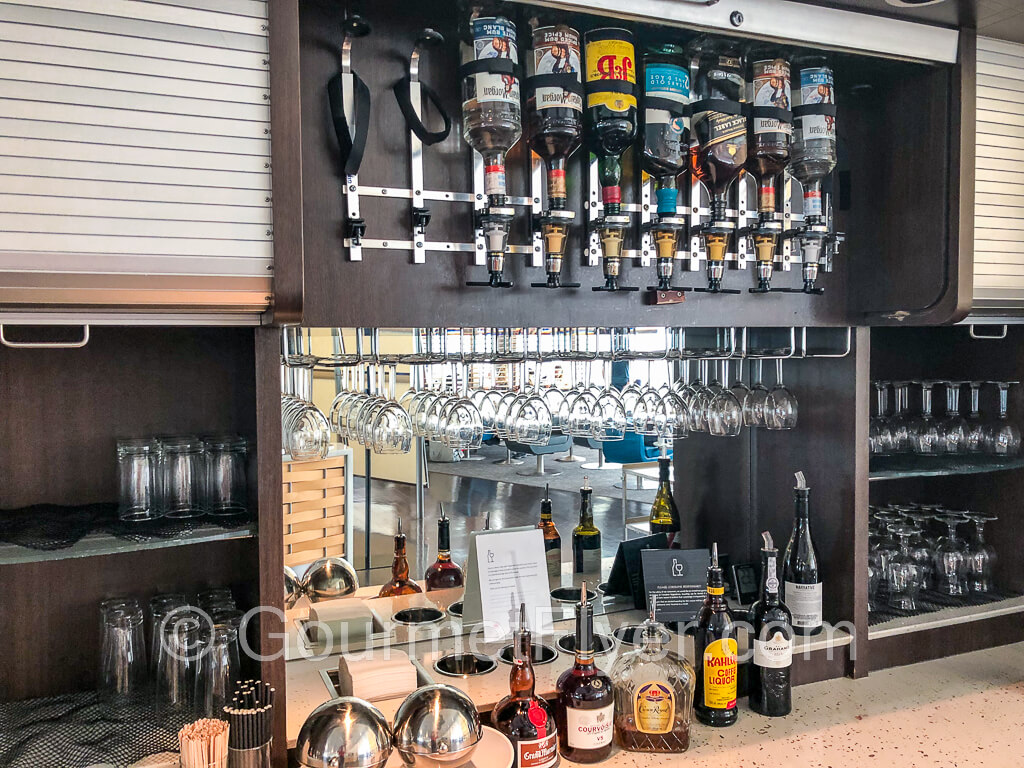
(225, 475)
(136, 469)
(123, 666)
(182, 470)
(218, 672)
(178, 664)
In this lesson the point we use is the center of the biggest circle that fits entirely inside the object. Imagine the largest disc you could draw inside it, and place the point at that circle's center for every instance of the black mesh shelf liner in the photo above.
(81, 729)
(52, 527)
(930, 601)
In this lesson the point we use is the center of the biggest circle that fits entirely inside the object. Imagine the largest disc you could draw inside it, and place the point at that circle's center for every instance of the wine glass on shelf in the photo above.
(950, 557)
(975, 435)
(901, 418)
(981, 557)
(1002, 437)
(953, 426)
(903, 573)
(753, 402)
(880, 439)
(780, 407)
(923, 429)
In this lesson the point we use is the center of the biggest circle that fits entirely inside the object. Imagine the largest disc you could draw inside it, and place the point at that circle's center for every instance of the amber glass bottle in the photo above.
(443, 573)
(552, 539)
(716, 651)
(400, 583)
(525, 718)
(586, 700)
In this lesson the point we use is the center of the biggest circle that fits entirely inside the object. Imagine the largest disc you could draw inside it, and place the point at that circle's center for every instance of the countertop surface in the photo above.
(961, 711)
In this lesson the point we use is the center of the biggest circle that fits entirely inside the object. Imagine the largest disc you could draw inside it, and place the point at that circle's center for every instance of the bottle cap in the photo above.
(545, 503)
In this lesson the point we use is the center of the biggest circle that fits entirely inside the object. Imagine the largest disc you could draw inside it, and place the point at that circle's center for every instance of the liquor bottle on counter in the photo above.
(586, 537)
(653, 694)
(719, 145)
(715, 650)
(552, 539)
(666, 121)
(611, 127)
(400, 583)
(554, 94)
(664, 513)
(525, 718)
(585, 709)
(491, 122)
(770, 134)
(443, 573)
(769, 685)
(801, 577)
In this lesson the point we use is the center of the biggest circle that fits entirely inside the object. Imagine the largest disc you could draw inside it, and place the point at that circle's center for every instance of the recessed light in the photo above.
(913, 3)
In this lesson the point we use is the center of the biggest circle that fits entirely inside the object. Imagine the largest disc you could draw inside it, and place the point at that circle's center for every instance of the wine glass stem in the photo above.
(778, 373)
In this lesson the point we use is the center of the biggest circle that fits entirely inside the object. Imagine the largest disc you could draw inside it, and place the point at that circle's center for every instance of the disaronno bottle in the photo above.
(716, 652)
(653, 695)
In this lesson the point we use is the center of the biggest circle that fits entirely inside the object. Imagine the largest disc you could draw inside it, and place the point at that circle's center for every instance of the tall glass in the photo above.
(981, 557)
(950, 558)
(1002, 437)
(953, 426)
(904, 575)
(136, 472)
(880, 438)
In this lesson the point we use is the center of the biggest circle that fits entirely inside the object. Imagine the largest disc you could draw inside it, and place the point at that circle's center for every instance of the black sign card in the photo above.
(625, 578)
(678, 578)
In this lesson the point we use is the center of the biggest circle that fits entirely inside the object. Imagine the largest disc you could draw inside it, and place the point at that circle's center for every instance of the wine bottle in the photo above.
(555, 112)
(586, 537)
(716, 652)
(664, 513)
(814, 132)
(585, 710)
(801, 577)
(491, 117)
(552, 539)
(611, 121)
(400, 583)
(769, 135)
(443, 573)
(769, 686)
(525, 718)
(666, 121)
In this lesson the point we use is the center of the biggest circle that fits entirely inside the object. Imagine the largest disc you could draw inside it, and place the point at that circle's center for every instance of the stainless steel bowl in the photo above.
(437, 726)
(344, 733)
(292, 588)
(330, 578)
(410, 617)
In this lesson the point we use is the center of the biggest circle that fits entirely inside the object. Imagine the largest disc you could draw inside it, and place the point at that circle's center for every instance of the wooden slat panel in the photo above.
(320, 543)
(315, 504)
(299, 476)
(311, 534)
(323, 484)
(329, 463)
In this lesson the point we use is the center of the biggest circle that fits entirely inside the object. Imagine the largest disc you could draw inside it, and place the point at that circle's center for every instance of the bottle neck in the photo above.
(521, 679)
(584, 635)
(400, 566)
(545, 511)
(586, 510)
(663, 473)
(802, 504)
(769, 577)
(444, 538)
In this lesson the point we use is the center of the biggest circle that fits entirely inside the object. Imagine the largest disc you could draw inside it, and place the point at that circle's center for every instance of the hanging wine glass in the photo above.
(780, 407)
(725, 412)
(923, 429)
(753, 402)
(975, 436)
(901, 418)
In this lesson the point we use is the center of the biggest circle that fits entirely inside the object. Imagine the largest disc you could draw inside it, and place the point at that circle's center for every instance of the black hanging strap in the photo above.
(814, 109)
(670, 105)
(351, 135)
(489, 66)
(401, 89)
(725, 106)
(610, 86)
(567, 81)
(782, 115)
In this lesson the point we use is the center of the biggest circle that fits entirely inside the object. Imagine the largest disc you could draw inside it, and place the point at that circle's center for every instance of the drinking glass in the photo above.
(136, 471)
(159, 607)
(981, 557)
(753, 402)
(582, 414)
(739, 388)
(873, 581)
(950, 558)
(1002, 437)
(178, 663)
(725, 412)
(392, 428)
(780, 407)
(923, 430)
(672, 416)
(123, 667)
(183, 470)
(225, 475)
(645, 412)
(975, 424)
(953, 426)
(554, 398)
(609, 416)
(699, 399)
(880, 437)
(902, 572)
(218, 671)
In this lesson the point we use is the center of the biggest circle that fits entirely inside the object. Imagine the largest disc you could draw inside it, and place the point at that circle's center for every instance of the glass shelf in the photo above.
(95, 544)
(947, 617)
(897, 467)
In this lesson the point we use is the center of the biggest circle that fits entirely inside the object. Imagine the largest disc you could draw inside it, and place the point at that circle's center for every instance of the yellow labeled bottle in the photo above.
(716, 654)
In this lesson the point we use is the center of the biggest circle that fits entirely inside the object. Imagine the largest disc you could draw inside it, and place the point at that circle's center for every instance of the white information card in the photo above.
(511, 569)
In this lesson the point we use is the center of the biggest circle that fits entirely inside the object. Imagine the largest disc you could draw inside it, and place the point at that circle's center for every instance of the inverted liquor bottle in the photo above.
(400, 583)
(666, 131)
(653, 695)
(526, 719)
(664, 516)
(801, 575)
(585, 709)
(443, 573)
(770, 134)
(719, 143)
(611, 128)
(716, 652)
(552, 539)
(586, 536)
(555, 120)
(491, 120)
(770, 690)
